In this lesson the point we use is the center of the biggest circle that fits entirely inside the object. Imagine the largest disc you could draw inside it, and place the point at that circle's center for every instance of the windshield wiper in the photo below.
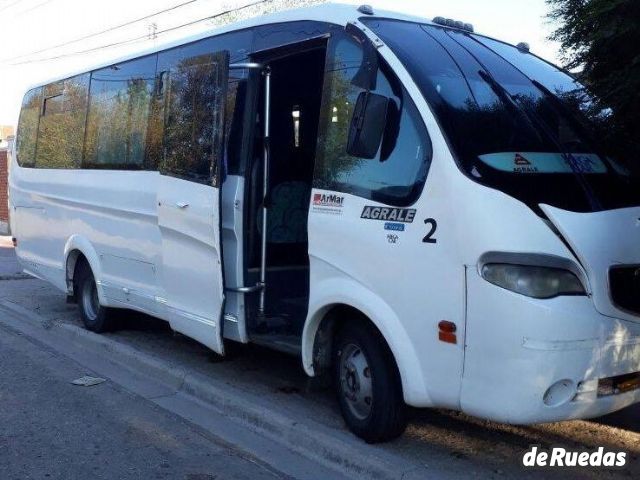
(558, 103)
(534, 120)
(503, 95)
(565, 112)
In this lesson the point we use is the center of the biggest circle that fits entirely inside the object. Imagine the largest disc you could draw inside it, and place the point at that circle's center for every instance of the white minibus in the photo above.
(417, 210)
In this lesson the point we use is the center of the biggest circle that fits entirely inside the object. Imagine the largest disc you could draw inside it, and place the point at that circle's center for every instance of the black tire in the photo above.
(95, 317)
(359, 346)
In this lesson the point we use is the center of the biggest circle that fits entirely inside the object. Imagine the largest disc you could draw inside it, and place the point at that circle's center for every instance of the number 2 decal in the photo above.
(429, 236)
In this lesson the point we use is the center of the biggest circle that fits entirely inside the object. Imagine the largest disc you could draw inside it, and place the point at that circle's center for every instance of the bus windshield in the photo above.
(510, 121)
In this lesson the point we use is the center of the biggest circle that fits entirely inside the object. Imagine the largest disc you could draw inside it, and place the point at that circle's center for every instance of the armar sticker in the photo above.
(388, 214)
(328, 203)
(328, 200)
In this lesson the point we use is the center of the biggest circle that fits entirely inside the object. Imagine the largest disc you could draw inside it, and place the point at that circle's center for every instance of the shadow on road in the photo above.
(626, 419)
(431, 432)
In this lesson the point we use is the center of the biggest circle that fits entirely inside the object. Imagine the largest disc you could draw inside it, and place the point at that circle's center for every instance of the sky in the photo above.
(41, 39)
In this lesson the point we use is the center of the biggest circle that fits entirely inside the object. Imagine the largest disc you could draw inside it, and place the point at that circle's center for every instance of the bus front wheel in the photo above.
(94, 316)
(368, 384)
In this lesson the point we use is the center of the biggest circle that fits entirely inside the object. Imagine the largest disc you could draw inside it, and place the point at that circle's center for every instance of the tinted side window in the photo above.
(194, 115)
(119, 107)
(62, 122)
(399, 170)
(28, 128)
(194, 79)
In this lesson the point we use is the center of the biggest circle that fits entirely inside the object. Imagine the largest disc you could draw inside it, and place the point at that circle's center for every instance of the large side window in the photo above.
(118, 121)
(194, 117)
(194, 78)
(28, 127)
(62, 123)
(397, 173)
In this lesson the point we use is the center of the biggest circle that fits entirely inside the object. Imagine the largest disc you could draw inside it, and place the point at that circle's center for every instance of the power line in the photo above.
(142, 37)
(41, 4)
(9, 5)
(102, 32)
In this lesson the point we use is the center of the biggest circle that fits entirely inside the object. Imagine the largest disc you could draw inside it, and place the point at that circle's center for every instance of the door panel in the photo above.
(191, 268)
(189, 195)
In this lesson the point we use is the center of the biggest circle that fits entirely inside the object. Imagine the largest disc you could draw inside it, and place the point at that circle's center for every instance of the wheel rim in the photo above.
(90, 301)
(356, 381)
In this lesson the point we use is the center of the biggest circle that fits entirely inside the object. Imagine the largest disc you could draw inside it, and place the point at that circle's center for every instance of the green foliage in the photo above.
(602, 38)
(255, 9)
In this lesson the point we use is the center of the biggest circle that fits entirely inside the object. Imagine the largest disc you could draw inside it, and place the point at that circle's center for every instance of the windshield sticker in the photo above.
(387, 214)
(536, 162)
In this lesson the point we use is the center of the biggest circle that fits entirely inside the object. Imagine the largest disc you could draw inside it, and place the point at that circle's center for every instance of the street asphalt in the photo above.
(9, 267)
(50, 428)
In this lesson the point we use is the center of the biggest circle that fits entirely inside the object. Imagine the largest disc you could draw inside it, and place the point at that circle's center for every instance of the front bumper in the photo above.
(517, 348)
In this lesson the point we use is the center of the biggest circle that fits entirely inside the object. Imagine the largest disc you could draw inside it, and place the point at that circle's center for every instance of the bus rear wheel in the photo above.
(94, 316)
(368, 384)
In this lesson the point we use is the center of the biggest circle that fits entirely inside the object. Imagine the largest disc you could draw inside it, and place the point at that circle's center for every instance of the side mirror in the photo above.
(367, 125)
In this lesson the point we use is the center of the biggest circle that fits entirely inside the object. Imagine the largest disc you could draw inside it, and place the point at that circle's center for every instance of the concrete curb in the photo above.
(334, 449)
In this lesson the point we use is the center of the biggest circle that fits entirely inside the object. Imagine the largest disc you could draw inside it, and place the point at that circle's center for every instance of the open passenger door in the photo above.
(194, 91)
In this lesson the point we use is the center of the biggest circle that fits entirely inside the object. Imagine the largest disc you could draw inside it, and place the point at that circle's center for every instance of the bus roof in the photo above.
(336, 13)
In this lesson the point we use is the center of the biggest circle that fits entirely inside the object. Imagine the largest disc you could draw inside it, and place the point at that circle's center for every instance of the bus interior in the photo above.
(294, 110)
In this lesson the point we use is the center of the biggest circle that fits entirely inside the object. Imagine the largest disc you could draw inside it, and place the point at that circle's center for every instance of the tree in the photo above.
(602, 39)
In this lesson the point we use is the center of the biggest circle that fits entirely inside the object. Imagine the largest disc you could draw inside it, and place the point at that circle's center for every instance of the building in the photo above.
(6, 131)
(4, 197)
(6, 140)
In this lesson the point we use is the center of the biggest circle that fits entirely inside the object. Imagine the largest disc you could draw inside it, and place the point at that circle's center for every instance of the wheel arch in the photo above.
(330, 309)
(76, 249)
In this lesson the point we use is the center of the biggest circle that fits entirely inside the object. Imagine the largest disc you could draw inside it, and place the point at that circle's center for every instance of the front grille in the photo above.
(624, 283)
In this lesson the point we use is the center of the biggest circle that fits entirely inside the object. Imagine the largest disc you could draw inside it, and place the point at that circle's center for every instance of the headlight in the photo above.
(537, 282)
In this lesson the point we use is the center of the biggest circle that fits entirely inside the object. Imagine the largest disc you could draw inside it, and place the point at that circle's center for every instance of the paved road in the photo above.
(50, 428)
(9, 267)
(466, 446)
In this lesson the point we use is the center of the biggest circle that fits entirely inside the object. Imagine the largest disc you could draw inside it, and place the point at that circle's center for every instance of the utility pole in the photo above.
(152, 30)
